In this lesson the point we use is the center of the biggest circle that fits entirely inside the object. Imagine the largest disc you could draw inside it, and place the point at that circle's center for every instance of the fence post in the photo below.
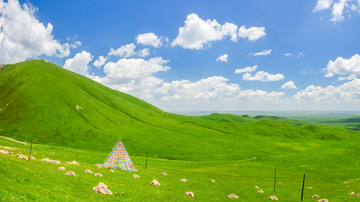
(275, 180)
(147, 153)
(30, 149)
(302, 190)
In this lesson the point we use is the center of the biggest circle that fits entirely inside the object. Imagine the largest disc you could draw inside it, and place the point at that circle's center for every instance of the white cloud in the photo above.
(212, 89)
(264, 52)
(223, 58)
(349, 78)
(127, 50)
(346, 92)
(263, 76)
(343, 66)
(289, 85)
(252, 33)
(22, 36)
(198, 33)
(323, 5)
(337, 10)
(246, 69)
(300, 54)
(79, 63)
(100, 62)
(149, 39)
(143, 52)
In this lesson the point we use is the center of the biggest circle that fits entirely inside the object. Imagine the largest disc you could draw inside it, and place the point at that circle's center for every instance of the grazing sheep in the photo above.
(21, 156)
(99, 166)
(61, 168)
(45, 159)
(155, 183)
(183, 180)
(213, 181)
(163, 173)
(70, 173)
(136, 176)
(5, 152)
(232, 196)
(315, 196)
(351, 193)
(88, 171)
(358, 195)
(112, 171)
(98, 174)
(101, 188)
(73, 163)
(308, 187)
(323, 200)
(78, 107)
(55, 161)
(189, 194)
(274, 198)
(261, 191)
(256, 187)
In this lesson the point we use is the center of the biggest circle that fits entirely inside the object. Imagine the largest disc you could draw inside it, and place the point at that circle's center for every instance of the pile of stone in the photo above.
(101, 188)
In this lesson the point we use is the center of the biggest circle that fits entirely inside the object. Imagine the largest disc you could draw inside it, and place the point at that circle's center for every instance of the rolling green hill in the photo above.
(42, 101)
(67, 114)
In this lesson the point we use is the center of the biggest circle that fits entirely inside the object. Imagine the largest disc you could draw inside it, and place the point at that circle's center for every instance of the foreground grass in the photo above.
(38, 180)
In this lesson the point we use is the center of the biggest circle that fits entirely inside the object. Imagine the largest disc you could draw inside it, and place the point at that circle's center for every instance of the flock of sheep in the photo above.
(103, 189)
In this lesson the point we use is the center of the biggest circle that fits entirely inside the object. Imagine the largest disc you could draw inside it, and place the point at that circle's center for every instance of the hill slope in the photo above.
(38, 100)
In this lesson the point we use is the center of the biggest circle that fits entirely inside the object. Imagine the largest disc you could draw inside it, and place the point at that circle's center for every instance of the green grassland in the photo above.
(38, 102)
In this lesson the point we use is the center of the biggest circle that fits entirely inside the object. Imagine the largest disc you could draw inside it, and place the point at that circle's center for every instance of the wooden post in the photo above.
(275, 180)
(302, 190)
(147, 154)
(30, 149)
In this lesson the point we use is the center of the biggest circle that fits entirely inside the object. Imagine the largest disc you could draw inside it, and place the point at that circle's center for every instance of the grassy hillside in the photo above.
(38, 101)
(68, 115)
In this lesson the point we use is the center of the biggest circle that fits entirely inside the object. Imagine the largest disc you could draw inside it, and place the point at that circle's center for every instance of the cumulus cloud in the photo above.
(346, 92)
(214, 88)
(252, 33)
(246, 69)
(22, 36)
(337, 8)
(149, 39)
(343, 66)
(223, 58)
(143, 52)
(127, 50)
(289, 85)
(264, 52)
(79, 63)
(198, 33)
(323, 4)
(263, 76)
(100, 62)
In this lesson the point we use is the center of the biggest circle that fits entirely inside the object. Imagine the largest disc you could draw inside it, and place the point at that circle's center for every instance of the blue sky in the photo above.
(199, 55)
